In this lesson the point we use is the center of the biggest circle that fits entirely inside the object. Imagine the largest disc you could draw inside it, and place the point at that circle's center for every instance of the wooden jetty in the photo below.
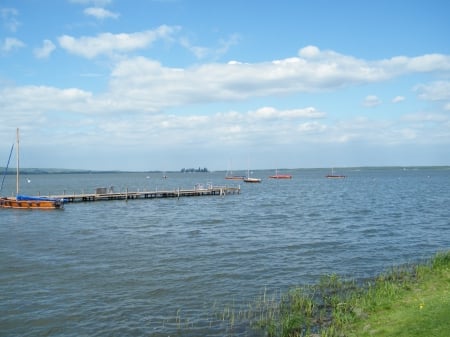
(127, 195)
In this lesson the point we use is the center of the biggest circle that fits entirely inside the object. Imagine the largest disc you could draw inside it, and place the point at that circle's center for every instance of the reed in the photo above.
(337, 307)
(407, 301)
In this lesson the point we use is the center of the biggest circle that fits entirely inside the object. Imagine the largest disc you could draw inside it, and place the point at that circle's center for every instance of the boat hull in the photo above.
(252, 180)
(234, 177)
(281, 176)
(30, 204)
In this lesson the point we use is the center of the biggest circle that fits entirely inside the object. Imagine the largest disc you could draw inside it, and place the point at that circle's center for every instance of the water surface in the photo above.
(165, 267)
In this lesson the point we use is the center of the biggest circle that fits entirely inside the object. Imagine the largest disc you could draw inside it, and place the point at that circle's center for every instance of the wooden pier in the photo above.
(127, 195)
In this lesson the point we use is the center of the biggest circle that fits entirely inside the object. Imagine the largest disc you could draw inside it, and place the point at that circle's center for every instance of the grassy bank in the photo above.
(406, 301)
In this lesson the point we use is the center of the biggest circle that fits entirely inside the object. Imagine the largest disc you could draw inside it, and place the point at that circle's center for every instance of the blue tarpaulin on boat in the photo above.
(26, 197)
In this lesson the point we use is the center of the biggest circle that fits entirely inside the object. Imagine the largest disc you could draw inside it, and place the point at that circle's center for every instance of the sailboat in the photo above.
(334, 176)
(229, 175)
(23, 201)
(280, 176)
(249, 179)
(232, 177)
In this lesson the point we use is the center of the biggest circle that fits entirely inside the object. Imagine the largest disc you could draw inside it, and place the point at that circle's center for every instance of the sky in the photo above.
(258, 84)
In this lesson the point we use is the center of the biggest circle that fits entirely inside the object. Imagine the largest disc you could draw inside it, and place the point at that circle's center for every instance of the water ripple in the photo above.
(172, 266)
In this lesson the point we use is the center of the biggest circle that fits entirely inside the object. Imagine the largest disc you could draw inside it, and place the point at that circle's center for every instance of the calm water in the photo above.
(169, 267)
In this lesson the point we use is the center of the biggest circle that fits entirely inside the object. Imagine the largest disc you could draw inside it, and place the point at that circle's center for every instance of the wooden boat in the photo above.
(280, 176)
(229, 176)
(334, 176)
(24, 202)
(27, 202)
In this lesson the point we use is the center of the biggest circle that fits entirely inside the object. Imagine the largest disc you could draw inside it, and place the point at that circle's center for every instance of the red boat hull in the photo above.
(281, 176)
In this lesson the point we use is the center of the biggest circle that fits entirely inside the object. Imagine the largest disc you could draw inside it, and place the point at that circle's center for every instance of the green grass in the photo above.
(407, 301)
(420, 307)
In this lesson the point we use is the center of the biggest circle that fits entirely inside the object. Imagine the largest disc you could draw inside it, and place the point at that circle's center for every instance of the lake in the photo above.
(177, 267)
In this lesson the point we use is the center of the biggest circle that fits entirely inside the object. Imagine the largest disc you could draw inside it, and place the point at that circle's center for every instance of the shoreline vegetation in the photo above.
(30, 171)
(409, 301)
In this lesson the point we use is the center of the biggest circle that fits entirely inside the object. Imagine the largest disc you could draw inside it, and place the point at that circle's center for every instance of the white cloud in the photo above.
(47, 48)
(266, 113)
(203, 52)
(85, 113)
(143, 97)
(100, 13)
(315, 71)
(10, 44)
(199, 52)
(135, 78)
(426, 117)
(398, 99)
(400, 65)
(436, 91)
(226, 44)
(44, 99)
(70, 113)
(143, 85)
(371, 101)
(428, 63)
(311, 128)
(309, 52)
(107, 43)
(9, 18)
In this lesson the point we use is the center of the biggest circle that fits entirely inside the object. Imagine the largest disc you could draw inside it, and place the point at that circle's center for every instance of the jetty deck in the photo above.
(127, 195)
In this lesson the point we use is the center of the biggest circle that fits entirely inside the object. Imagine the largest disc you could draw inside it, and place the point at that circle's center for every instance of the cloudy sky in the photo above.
(166, 84)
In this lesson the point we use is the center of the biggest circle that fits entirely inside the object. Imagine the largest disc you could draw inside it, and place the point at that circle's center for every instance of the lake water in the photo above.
(172, 267)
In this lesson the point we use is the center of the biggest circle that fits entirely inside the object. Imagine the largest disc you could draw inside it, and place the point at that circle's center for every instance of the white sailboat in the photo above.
(249, 179)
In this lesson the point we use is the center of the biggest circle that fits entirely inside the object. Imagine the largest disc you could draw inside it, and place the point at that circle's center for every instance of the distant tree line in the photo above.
(189, 170)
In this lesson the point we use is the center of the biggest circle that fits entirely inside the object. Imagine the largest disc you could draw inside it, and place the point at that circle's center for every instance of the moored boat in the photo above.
(27, 202)
(249, 179)
(252, 180)
(335, 176)
(280, 176)
(20, 202)
(230, 176)
(235, 177)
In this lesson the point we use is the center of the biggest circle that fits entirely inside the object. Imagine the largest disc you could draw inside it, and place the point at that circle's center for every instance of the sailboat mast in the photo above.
(6, 169)
(17, 170)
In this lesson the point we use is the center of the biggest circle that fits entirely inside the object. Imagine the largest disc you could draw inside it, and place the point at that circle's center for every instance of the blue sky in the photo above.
(167, 84)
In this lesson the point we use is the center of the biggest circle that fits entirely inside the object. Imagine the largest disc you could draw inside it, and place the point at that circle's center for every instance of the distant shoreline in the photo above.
(30, 171)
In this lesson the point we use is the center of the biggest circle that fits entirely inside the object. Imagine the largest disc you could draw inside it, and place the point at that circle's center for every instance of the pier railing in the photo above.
(198, 190)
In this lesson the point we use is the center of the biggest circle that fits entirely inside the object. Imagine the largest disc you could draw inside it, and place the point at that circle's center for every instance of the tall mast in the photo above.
(17, 170)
